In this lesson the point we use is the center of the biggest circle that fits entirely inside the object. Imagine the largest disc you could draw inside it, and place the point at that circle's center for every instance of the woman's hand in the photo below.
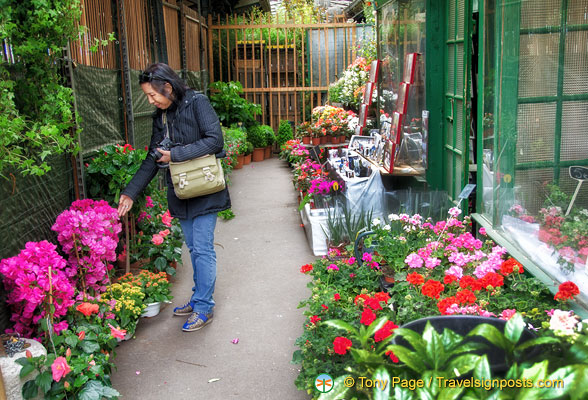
(124, 205)
(166, 157)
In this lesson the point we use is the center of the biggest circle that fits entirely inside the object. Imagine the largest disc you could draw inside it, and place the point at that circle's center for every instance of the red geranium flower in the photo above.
(336, 296)
(385, 331)
(466, 296)
(382, 296)
(445, 303)
(432, 288)
(324, 307)
(373, 303)
(567, 290)
(509, 266)
(449, 278)
(415, 279)
(314, 319)
(492, 279)
(306, 268)
(368, 316)
(341, 345)
(466, 281)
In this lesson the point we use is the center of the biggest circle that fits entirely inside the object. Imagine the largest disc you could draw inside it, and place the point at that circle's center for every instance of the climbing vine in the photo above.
(36, 110)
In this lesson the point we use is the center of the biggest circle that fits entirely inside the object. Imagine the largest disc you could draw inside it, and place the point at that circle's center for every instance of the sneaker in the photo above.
(197, 321)
(186, 309)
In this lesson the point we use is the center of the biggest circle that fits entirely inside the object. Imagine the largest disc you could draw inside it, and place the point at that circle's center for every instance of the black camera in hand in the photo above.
(166, 144)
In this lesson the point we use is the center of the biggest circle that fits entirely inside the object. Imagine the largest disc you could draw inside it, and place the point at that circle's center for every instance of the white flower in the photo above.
(454, 212)
(393, 217)
(387, 227)
(584, 212)
(563, 322)
(376, 222)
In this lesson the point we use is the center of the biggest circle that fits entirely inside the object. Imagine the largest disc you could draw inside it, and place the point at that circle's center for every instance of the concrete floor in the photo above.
(258, 287)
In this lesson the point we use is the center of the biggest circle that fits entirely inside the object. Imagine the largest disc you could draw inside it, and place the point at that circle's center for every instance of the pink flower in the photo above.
(148, 202)
(563, 322)
(432, 262)
(367, 257)
(454, 212)
(351, 261)
(507, 314)
(117, 333)
(59, 368)
(164, 233)
(333, 267)
(166, 219)
(157, 239)
(414, 260)
(482, 231)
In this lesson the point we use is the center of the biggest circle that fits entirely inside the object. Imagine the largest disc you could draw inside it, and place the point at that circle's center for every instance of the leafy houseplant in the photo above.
(256, 136)
(230, 107)
(285, 133)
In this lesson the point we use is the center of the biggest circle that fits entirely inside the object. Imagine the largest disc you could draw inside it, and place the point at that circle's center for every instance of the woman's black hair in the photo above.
(158, 75)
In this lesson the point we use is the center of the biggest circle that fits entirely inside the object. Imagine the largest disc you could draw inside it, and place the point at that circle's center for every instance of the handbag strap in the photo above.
(164, 120)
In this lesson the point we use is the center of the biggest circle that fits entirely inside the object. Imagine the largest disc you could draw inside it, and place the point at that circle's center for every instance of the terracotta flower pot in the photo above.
(247, 159)
(316, 141)
(335, 139)
(258, 154)
(342, 139)
(268, 152)
(306, 139)
(240, 161)
(323, 139)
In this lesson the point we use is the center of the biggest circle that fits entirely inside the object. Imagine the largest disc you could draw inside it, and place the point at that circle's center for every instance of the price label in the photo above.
(467, 190)
(579, 173)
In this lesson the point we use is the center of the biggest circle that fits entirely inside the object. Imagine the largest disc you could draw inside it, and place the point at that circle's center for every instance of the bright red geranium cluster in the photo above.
(510, 265)
(341, 345)
(432, 288)
(415, 278)
(306, 268)
(567, 290)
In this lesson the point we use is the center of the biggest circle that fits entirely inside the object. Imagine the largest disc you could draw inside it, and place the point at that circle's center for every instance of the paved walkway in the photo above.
(257, 291)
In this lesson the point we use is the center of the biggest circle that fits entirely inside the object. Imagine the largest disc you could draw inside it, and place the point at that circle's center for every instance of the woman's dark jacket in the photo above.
(195, 128)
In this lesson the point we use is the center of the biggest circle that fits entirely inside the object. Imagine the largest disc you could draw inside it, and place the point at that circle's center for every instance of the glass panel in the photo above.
(530, 189)
(536, 132)
(449, 172)
(538, 65)
(574, 125)
(458, 176)
(458, 120)
(449, 133)
(537, 14)
(576, 62)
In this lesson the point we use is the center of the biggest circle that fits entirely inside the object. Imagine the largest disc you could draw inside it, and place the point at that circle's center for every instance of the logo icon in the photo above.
(323, 383)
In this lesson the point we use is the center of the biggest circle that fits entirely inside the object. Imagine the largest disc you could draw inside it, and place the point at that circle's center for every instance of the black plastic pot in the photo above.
(462, 325)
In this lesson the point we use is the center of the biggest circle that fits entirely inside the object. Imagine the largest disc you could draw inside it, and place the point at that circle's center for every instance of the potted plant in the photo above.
(225, 98)
(248, 151)
(304, 132)
(126, 305)
(156, 287)
(257, 138)
(284, 133)
(270, 139)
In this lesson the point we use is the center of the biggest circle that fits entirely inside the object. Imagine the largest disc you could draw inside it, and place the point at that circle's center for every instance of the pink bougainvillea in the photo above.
(28, 286)
(88, 233)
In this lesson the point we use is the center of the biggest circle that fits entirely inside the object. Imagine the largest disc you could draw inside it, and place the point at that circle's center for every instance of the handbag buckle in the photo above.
(183, 181)
(209, 176)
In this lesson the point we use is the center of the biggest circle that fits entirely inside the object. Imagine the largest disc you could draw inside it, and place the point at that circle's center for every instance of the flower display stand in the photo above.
(11, 370)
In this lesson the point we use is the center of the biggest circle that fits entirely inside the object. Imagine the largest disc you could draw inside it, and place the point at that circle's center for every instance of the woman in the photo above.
(194, 130)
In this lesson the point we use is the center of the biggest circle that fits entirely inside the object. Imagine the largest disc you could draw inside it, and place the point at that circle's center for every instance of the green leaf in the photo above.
(338, 392)
(91, 391)
(26, 369)
(90, 346)
(571, 380)
(536, 342)
(411, 359)
(339, 324)
(383, 376)
(44, 381)
(463, 364)
(514, 328)
(482, 368)
(434, 345)
(72, 341)
(450, 393)
(537, 371)
(297, 357)
(492, 334)
(109, 392)
(80, 380)
(412, 337)
(30, 390)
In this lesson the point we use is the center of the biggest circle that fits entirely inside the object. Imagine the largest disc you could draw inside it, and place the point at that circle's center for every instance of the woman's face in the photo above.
(155, 98)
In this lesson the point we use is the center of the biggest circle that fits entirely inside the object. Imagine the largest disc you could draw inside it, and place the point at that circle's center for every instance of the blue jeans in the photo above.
(199, 235)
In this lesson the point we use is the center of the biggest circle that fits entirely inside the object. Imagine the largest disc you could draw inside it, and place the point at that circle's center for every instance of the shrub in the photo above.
(256, 136)
(285, 133)
(230, 106)
(270, 137)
